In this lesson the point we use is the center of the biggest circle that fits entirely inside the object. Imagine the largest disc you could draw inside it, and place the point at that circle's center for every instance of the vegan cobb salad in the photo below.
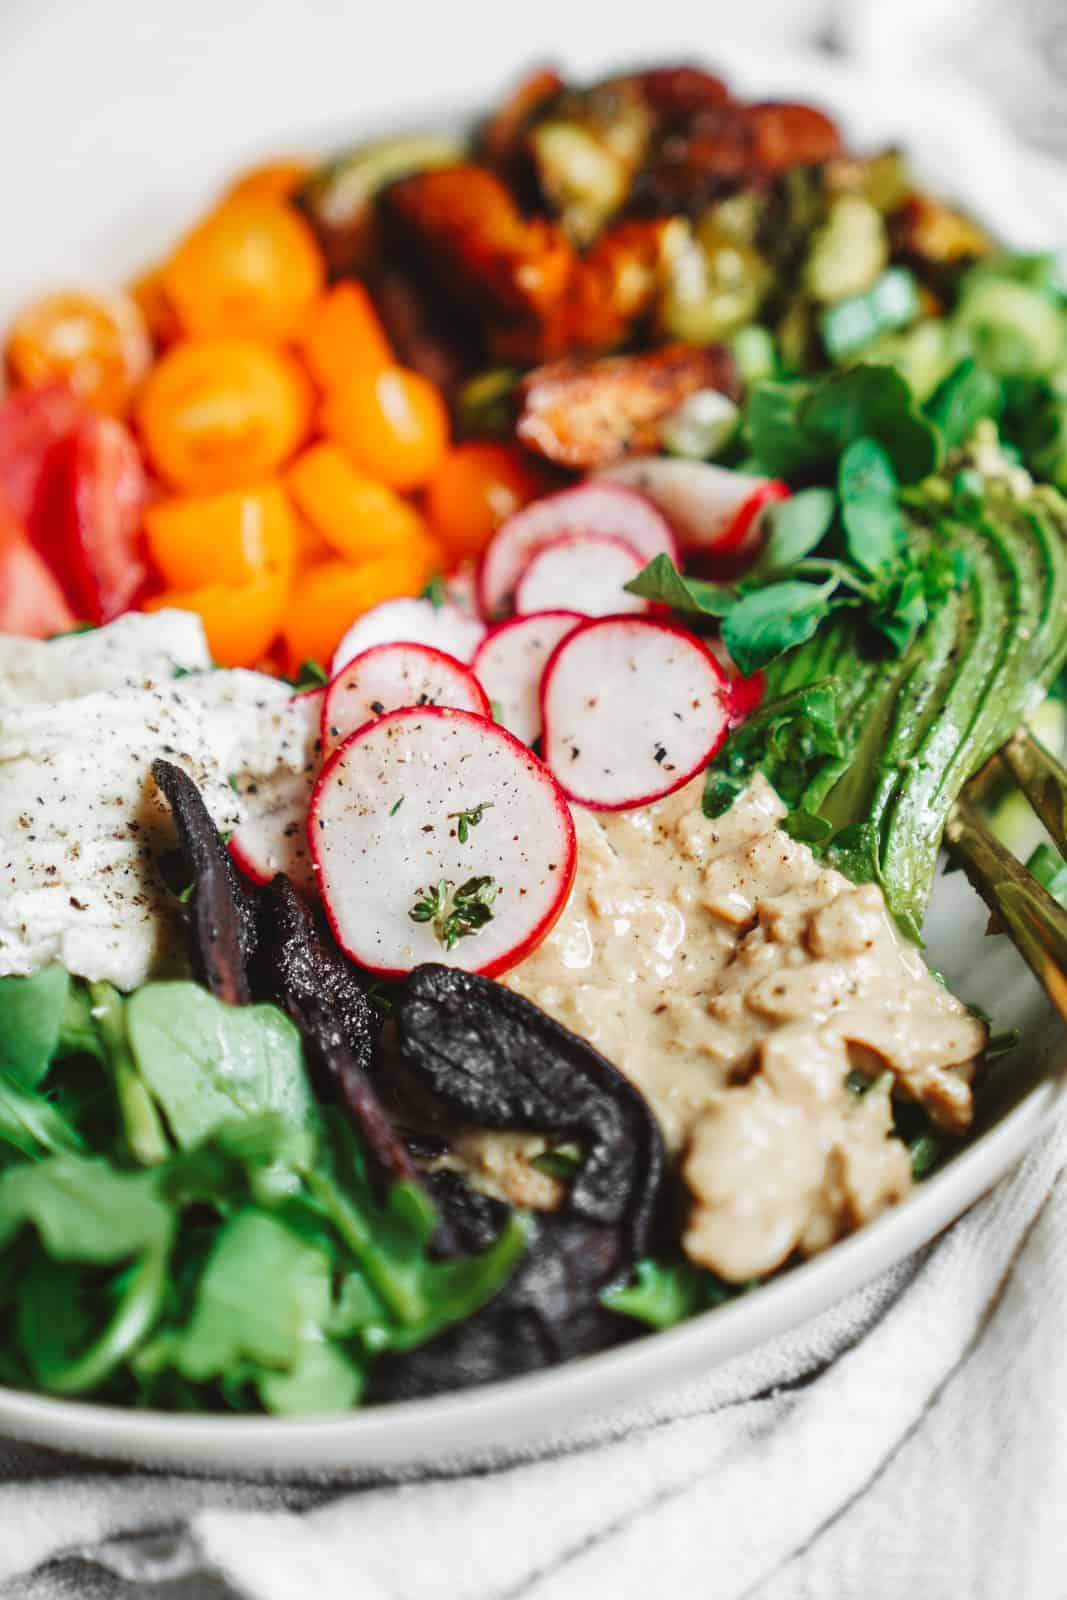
(493, 634)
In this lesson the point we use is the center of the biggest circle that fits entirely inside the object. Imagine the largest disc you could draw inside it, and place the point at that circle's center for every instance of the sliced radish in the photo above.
(632, 709)
(595, 507)
(388, 676)
(461, 587)
(586, 571)
(273, 837)
(386, 835)
(709, 507)
(509, 664)
(411, 621)
(745, 693)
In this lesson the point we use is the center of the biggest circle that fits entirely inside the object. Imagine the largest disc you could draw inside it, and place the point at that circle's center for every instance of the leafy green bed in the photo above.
(203, 1232)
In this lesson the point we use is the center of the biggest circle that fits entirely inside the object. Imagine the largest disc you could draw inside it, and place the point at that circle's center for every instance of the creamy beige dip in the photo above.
(736, 980)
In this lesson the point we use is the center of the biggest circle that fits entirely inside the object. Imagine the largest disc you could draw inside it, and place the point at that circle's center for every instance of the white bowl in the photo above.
(94, 218)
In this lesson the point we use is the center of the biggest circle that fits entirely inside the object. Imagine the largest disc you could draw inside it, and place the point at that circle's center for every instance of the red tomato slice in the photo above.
(87, 519)
(31, 601)
(32, 421)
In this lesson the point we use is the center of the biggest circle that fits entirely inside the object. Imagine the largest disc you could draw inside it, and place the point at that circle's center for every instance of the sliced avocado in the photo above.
(1002, 589)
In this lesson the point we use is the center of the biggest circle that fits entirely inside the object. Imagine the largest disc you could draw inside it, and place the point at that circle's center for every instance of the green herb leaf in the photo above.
(30, 1123)
(468, 819)
(766, 622)
(455, 913)
(83, 1209)
(435, 591)
(662, 581)
(32, 1012)
(794, 528)
(206, 1062)
(311, 675)
(962, 399)
(1049, 868)
(874, 528)
(665, 1293)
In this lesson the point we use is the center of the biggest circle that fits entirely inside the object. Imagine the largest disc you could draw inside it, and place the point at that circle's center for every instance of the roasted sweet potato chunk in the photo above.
(584, 414)
(465, 222)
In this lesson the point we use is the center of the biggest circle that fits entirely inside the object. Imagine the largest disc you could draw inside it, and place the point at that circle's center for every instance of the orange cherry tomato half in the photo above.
(98, 343)
(222, 413)
(359, 517)
(228, 538)
(343, 334)
(392, 423)
(328, 597)
(272, 180)
(241, 623)
(476, 486)
(252, 267)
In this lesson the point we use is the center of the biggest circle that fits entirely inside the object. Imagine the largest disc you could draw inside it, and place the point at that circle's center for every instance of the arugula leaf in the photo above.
(766, 622)
(665, 1293)
(206, 1062)
(83, 1209)
(662, 581)
(263, 1289)
(794, 528)
(30, 1123)
(32, 1010)
(962, 399)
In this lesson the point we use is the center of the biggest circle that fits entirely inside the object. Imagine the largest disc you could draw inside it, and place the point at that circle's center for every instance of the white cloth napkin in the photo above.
(928, 1459)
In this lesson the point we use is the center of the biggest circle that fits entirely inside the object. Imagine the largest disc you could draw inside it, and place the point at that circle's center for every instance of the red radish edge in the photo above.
(435, 657)
(745, 519)
(446, 612)
(497, 577)
(569, 540)
(543, 928)
(237, 850)
(716, 743)
(529, 620)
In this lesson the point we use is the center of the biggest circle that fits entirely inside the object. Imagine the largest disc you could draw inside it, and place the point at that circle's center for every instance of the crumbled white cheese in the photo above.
(137, 651)
(82, 823)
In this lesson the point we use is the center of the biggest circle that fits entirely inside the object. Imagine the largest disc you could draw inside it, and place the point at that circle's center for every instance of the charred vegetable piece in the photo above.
(463, 224)
(549, 1311)
(493, 1059)
(787, 135)
(309, 978)
(589, 413)
(500, 139)
(586, 151)
(223, 911)
(424, 337)
(339, 197)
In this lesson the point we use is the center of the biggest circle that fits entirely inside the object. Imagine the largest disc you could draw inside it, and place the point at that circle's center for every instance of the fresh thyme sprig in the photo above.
(466, 820)
(455, 913)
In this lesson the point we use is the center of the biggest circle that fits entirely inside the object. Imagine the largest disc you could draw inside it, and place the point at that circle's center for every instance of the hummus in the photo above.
(737, 981)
